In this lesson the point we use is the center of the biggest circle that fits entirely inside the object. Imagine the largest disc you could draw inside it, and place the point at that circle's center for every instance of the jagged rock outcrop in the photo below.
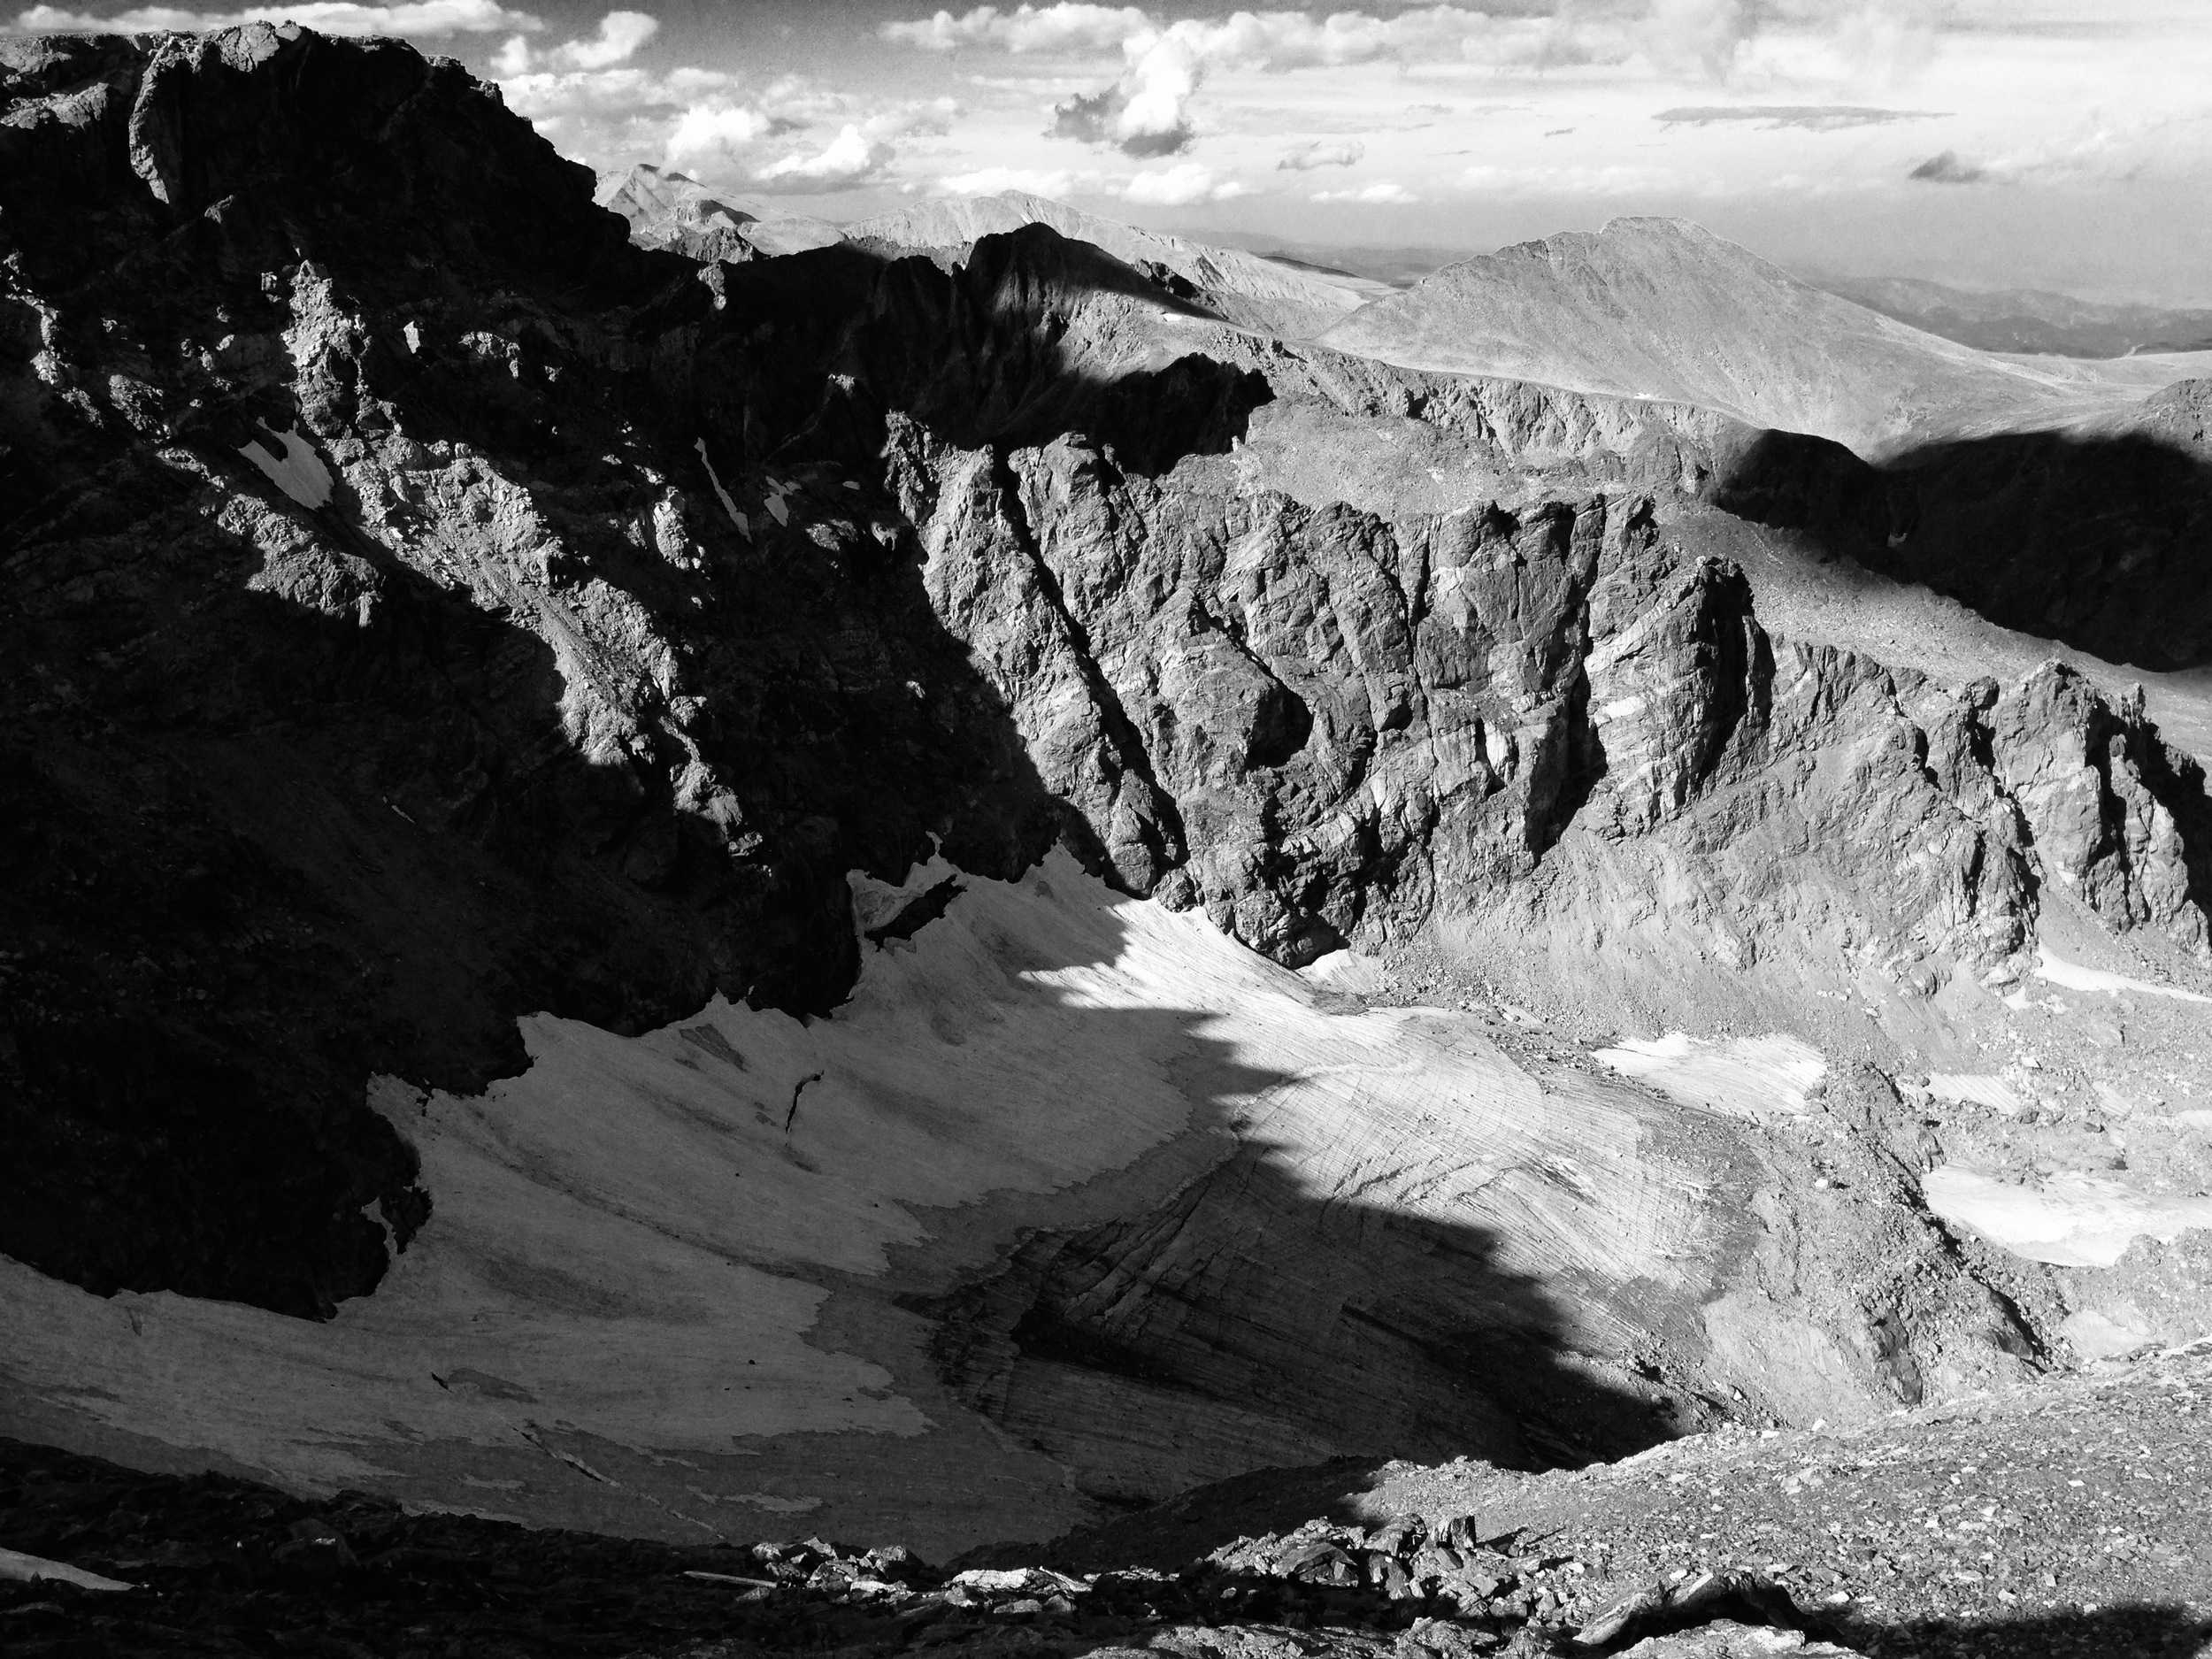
(2100, 795)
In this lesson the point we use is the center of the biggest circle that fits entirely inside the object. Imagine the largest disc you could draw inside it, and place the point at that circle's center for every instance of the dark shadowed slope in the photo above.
(2098, 537)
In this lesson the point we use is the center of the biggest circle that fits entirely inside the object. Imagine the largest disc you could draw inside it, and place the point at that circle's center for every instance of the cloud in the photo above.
(1704, 36)
(2176, 145)
(708, 133)
(433, 18)
(1246, 40)
(1305, 158)
(850, 159)
(1058, 182)
(620, 34)
(1385, 194)
(1179, 185)
(1026, 28)
(933, 117)
(1818, 118)
(1491, 181)
(1147, 110)
(1948, 169)
(631, 93)
(1146, 113)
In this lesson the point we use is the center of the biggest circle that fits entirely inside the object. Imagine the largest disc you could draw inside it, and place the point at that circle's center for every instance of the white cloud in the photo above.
(1246, 40)
(2176, 145)
(1026, 28)
(1385, 194)
(933, 117)
(710, 133)
(1698, 35)
(613, 94)
(1147, 110)
(850, 159)
(1058, 184)
(1179, 185)
(1584, 181)
(1305, 158)
(620, 34)
(705, 121)
(432, 19)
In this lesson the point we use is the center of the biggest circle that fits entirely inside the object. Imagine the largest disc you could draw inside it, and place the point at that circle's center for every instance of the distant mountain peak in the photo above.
(1663, 308)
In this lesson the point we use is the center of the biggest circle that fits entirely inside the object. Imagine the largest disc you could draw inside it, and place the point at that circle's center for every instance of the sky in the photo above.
(1992, 143)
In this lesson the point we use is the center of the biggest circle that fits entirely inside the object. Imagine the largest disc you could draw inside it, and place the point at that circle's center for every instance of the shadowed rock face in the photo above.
(424, 608)
(298, 793)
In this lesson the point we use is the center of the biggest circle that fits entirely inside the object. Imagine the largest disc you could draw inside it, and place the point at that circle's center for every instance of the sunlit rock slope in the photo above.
(1660, 308)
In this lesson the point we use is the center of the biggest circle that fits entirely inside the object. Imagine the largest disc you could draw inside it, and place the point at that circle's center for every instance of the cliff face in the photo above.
(425, 610)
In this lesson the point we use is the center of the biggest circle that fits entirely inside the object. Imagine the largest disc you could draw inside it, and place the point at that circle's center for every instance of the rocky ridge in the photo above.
(666, 209)
(1275, 299)
(1662, 308)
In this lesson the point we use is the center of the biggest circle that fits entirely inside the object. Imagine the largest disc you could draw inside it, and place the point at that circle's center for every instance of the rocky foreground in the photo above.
(2056, 1520)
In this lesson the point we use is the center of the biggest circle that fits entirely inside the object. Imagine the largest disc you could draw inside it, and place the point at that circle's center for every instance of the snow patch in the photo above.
(2068, 1220)
(299, 473)
(2094, 1336)
(640, 1236)
(715, 477)
(1345, 970)
(1960, 1088)
(1757, 1078)
(2074, 977)
(16, 1568)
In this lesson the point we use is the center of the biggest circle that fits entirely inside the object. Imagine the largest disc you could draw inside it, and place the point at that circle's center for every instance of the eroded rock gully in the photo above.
(425, 610)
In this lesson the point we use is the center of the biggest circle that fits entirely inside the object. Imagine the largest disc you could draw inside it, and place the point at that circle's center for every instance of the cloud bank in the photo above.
(1817, 118)
(1305, 158)
(850, 159)
(620, 34)
(1147, 110)
(1947, 168)
(424, 18)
